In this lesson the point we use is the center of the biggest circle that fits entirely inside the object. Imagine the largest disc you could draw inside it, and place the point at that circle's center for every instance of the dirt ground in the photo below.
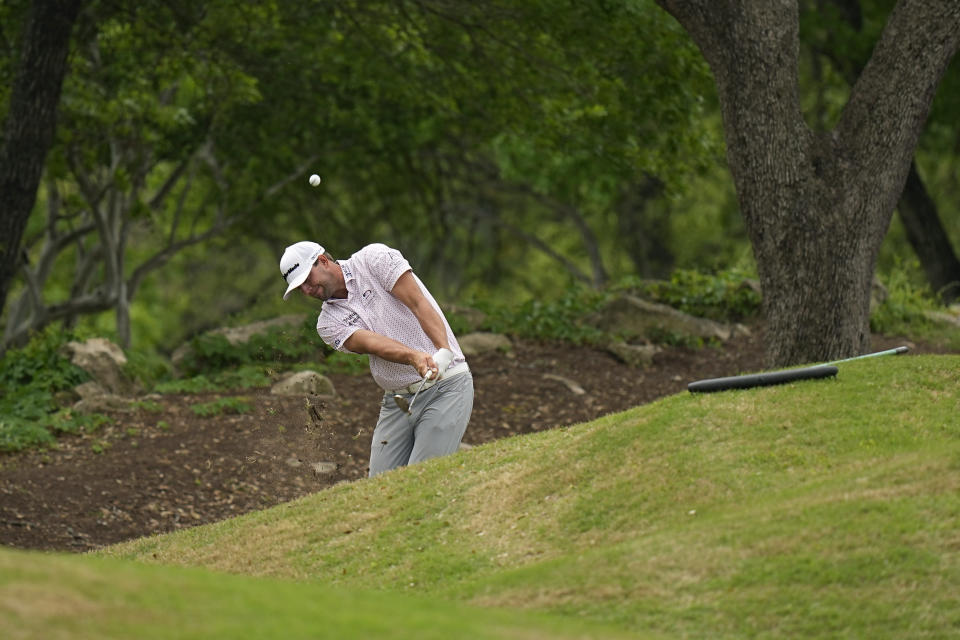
(163, 467)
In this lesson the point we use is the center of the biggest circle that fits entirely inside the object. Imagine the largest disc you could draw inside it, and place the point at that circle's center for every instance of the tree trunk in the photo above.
(928, 238)
(817, 206)
(31, 122)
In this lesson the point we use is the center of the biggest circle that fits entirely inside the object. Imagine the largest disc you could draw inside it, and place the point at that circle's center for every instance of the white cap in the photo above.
(296, 263)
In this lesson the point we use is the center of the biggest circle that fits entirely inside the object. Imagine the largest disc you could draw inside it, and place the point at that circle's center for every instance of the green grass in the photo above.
(45, 596)
(818, 509)
(221, 406)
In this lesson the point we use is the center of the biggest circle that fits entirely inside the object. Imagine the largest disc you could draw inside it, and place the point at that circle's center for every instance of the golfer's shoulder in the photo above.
(379, 258)
(373, 251)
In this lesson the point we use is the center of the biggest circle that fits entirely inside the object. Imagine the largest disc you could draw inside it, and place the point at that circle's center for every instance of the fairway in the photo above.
(813, 509)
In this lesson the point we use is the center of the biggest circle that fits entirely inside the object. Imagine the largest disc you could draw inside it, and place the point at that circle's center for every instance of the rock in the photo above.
(304, 383)
(473, 344)
(575, 388)
(241, 335)
(321, 468)
(633, 317)
(94, 398)
(741, 330)
(635, 355)
(104, 361)
(949, 317)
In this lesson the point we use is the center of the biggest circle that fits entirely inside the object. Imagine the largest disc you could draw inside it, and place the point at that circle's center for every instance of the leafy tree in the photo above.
(465, 134)
(137, 158)
(818, 204)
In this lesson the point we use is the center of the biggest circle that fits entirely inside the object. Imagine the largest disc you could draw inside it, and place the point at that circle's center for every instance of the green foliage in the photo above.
(222, 405)
(68, 421)
(726, 296)
(242, 377)
(30, 379)
(149, 406)
(275, 346)
(147, 367)
(543, 320)
(905, 309)
(214, 364)
(17, 434)
(428, 126)
(41, 363)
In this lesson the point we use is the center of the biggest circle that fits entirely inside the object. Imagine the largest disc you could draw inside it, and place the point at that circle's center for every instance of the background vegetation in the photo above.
(511, 152)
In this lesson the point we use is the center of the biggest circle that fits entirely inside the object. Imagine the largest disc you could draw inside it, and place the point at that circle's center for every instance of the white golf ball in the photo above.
(314, 180)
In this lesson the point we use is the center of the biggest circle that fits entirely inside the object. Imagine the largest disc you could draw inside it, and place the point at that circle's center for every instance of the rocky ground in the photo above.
(163, 467)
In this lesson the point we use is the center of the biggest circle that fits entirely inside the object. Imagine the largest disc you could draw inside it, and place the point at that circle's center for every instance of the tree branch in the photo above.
(888, 105)
(482, 212)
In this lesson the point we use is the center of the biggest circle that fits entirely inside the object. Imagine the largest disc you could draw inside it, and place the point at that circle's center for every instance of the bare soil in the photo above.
(163, 467)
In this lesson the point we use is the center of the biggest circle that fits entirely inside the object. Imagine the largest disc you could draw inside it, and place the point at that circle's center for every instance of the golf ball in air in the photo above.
(314, 180)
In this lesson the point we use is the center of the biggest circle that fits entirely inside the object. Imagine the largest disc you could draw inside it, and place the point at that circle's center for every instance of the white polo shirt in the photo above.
(370, 275)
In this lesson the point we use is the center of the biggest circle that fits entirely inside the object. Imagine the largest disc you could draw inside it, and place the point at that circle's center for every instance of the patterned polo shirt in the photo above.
(370, 274)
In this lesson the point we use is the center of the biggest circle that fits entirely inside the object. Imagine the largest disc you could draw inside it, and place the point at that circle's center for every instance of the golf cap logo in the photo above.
(289, 271)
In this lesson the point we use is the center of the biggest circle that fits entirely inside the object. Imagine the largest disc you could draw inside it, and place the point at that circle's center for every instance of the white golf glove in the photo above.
(443, 358)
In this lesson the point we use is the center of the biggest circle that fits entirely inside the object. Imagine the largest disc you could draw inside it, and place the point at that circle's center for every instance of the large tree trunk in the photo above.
(817, 207)
(31, 121)
(928, 238)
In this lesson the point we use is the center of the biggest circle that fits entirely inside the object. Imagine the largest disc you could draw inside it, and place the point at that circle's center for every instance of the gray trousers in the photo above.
(439, 420)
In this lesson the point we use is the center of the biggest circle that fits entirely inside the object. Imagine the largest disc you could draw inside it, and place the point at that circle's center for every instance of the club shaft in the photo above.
(887, 352)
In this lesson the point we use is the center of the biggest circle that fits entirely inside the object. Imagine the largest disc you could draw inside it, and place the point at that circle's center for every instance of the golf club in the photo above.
(402, 402)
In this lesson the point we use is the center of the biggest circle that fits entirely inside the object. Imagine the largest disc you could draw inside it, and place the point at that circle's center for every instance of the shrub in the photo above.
(539, 320)
(212, 353)
(221, 405)
(30, 378)
(147, 367)
(726, 296)
(41, 364)
(904, 312)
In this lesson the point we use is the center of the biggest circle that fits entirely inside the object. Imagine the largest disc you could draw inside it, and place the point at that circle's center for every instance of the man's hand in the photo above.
(425, 365)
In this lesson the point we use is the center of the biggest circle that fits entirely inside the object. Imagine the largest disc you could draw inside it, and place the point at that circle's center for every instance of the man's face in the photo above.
(320, 281)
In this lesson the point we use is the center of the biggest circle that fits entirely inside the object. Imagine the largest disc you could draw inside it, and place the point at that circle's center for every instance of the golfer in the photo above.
(373, 304)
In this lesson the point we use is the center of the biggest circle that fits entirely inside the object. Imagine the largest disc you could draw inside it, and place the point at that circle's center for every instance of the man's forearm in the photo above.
(368, 342)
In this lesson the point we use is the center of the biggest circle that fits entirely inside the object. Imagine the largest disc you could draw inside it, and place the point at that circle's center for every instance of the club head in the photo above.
(402, 403)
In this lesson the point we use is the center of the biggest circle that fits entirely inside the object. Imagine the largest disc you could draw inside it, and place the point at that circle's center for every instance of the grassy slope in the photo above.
(59, 597)
(818, 509)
